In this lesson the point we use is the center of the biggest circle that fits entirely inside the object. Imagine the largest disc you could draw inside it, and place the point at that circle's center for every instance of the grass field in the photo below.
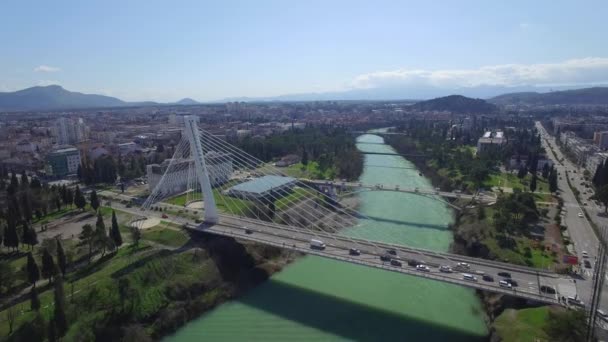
(524, 325)
(164, 235)
(309, 171)
(296, 196)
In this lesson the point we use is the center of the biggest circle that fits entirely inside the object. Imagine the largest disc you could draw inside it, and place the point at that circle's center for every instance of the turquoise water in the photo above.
(326, 300)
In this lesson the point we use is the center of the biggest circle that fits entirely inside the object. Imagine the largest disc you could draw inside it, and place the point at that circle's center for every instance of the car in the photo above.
(602, 314)
(354, 251)
(585, 254)
(575, 301)
(128, 205)
(463, 265)
(445, 269)
(248, 231)
(547, 289)
(585, 203)
(587, 264)
(512, 282)
(504, 283)
(395, 262)
(469, 277)
(487, 277)
(385, 257)
(165, 216)
(413, 262)
(580, 215)
(504, 274)
(423, 268)
(391, 251)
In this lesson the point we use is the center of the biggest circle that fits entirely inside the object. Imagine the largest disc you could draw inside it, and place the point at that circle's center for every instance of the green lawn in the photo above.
(510, 180)
(165, 236)
(297, 195)
(309, 171)
(525, 325)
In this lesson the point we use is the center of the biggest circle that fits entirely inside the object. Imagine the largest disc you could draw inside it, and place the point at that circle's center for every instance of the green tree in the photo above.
(553, 181)
(533, 183)
(87, 235)
(29, 235)
(100, 234)
(34, 300)
(602, 196)
(115, 231)
(61, 259)
(49, 269)
(79, 199)
(522, 172)
(33, 272)
(59, 317)
(94, 200)
(481, 212)
(567, 326)
(135, 236)
(11, 239)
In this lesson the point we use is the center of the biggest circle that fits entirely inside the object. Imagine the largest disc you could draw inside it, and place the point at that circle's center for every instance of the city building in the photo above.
(219, 168)
(68, 131)
(262, 188)
(491, 140)
(601, 139)
(63, 162)
(288, 160)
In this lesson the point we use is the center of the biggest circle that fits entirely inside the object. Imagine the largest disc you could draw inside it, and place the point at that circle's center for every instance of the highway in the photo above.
(386, 187)
(338, 247)
(581, 233)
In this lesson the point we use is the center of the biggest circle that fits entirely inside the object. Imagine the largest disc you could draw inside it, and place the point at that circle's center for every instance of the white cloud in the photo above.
(575, 71)
(46, 68)
(47, 82)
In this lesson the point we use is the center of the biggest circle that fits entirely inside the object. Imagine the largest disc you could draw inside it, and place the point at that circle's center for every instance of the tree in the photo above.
(115, 231)
(602, 196)
(11, 239)
(29, 235)
(34, 300)
(567, 326)
(33, 272)
(135, 236)
(61, 259)
(26, 206)
(49, 269)
(553, 181)
(87, 235)
(60, 320)
(94, 200)
(100, 233)
(533, 183)
(79, 199)
(304, 157)
(521, 173)
(546, 170)
(481, 212)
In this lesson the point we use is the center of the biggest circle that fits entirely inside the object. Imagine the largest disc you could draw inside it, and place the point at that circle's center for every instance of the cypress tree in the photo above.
(61, 322)
(34, 300)
(115, 231)
(33, 272)
(11, 239)
(61, 260)
(94, 200)
(49, 269)
(597, 175)
(79, 199)
(533, 183)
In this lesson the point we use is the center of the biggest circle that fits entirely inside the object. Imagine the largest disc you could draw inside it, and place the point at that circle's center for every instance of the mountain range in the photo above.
(55, 97)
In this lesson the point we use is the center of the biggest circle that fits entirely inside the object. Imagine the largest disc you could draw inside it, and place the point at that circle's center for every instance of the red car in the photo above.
(165, 216)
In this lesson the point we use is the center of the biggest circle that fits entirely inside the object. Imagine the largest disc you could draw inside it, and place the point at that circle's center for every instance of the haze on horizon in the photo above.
(164, 51)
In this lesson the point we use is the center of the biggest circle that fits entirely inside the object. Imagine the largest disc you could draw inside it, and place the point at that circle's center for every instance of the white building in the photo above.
(68, 131)
(601, 139)
(491, 139)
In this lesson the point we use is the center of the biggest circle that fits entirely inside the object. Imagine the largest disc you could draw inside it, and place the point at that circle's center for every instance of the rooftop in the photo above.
(263, 184)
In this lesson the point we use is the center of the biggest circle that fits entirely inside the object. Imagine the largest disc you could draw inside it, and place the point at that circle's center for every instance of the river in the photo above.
(320, 299)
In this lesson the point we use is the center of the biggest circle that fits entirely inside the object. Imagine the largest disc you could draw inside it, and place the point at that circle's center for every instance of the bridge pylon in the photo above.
(202, 174)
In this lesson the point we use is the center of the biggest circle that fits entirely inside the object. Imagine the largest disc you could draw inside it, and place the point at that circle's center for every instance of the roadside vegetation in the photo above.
(545, 323)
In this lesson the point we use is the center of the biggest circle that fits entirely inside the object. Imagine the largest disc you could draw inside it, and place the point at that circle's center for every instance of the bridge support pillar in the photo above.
(196, 149)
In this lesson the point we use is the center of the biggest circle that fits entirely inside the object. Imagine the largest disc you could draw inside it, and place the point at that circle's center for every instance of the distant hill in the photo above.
(585, 96)
(187, 101)
(53, 97)
(456, 104)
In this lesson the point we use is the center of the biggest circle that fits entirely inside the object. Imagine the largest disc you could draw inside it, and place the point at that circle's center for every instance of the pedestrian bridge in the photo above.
(203, 164)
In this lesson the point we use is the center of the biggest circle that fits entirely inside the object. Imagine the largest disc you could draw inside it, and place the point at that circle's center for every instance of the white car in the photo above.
(445, 269)
(423, 268)
(464, 265)
(580, 215)
(503, 283)
(585, 254)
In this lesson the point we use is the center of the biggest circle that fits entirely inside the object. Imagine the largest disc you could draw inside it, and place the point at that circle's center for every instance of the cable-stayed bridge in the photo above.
(241, 196)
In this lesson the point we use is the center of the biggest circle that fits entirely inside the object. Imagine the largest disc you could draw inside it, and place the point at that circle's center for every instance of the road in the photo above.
(581, 233)
(338, 248)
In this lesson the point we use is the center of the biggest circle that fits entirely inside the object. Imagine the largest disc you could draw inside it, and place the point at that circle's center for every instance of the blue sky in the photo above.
(166, 50)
